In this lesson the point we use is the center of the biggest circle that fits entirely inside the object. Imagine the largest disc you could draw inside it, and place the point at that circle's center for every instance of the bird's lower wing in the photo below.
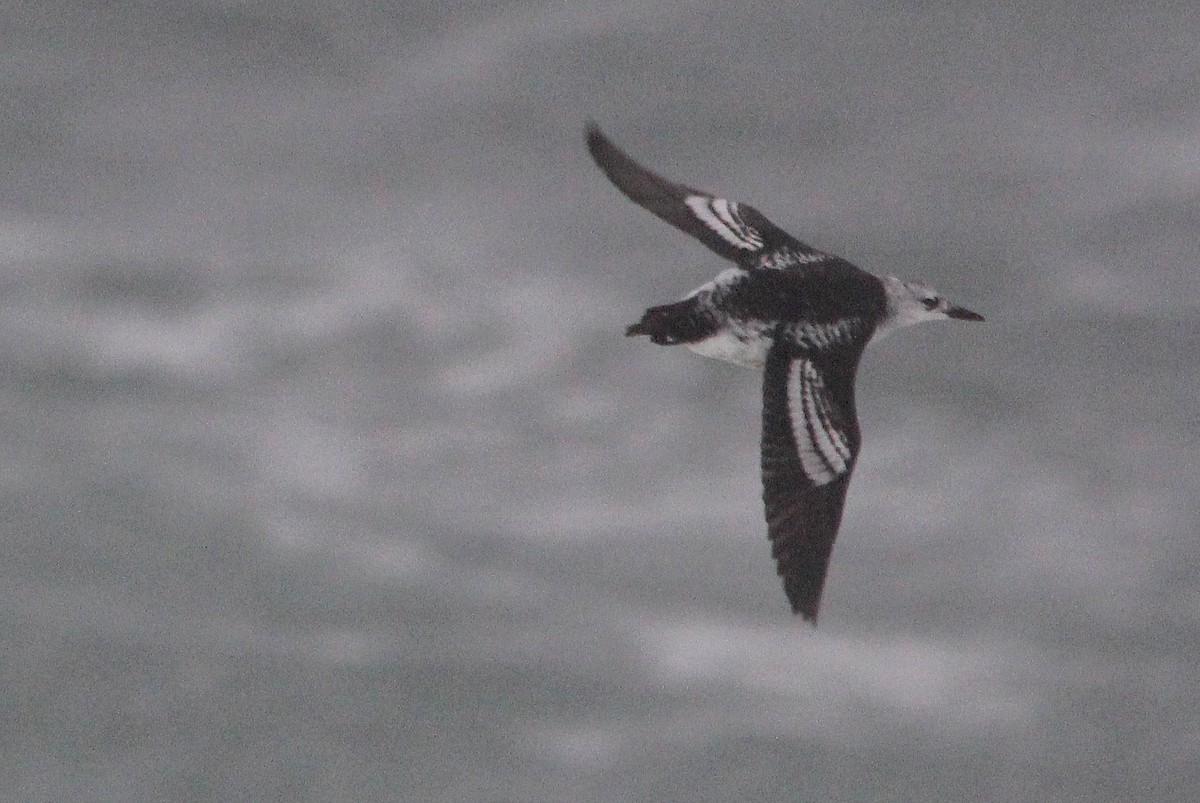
(809, 444)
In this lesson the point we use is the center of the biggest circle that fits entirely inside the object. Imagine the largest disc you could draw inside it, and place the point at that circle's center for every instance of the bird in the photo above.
(803, 317)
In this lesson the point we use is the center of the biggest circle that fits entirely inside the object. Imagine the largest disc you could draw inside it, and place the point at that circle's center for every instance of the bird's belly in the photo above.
(744, 344)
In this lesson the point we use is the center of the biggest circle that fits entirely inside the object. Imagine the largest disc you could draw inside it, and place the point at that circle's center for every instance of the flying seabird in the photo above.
(801, 315)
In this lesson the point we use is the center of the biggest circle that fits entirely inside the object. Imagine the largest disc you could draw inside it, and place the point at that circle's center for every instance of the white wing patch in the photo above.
(722, 281)
(722, 217)
(823, 448)
(822, 335)
(781, 259)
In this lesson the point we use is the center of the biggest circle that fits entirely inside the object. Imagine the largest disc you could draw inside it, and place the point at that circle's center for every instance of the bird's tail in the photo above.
(666, 325)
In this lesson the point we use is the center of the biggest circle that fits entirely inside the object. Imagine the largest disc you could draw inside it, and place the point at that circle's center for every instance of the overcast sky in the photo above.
(329, 475)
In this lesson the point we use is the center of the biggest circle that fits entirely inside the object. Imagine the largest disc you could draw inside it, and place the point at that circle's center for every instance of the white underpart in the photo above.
(824, 453)
(722, 217)
(744, 344)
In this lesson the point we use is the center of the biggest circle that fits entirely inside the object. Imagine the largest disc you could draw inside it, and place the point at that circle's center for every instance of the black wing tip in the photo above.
(607, 156)
(805, 608)
(597, 142)
(803, 580)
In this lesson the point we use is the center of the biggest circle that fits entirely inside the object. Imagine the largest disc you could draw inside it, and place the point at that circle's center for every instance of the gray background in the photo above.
(328, 475)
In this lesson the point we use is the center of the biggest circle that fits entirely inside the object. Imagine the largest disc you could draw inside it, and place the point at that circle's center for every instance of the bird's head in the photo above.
(912, 302)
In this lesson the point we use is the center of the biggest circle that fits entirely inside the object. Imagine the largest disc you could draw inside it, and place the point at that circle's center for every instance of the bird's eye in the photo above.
(930, 302)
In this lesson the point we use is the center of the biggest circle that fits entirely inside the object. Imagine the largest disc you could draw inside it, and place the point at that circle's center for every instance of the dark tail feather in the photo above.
(635, 329)
(669, 324)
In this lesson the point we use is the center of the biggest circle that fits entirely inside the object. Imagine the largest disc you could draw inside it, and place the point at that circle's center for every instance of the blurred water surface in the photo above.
(327, 474)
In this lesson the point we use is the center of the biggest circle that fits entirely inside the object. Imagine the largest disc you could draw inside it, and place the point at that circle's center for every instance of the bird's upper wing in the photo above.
(810, 440)
(738, 232)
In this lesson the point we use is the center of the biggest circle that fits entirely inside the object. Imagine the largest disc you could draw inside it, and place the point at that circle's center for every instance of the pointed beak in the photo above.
(963, 314)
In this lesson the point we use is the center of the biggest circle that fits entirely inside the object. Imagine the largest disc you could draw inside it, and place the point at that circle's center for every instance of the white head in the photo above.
(913, 302)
